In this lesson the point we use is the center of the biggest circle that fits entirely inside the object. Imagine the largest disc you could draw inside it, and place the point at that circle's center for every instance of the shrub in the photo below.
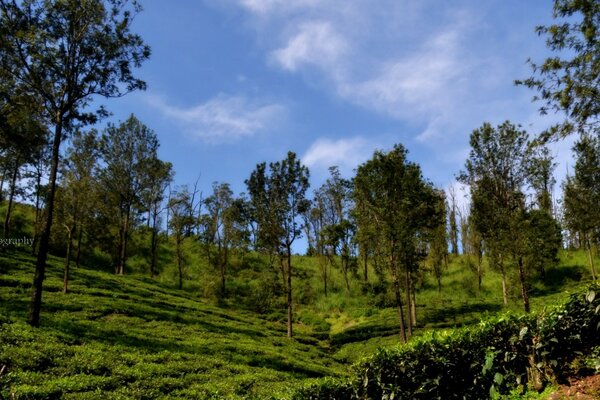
(498, 356)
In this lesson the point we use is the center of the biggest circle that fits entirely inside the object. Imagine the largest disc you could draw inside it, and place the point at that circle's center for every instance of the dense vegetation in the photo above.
(207, 285)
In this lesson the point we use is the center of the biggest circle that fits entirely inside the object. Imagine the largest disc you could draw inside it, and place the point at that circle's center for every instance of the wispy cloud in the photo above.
(345, 153)
(313, 43)
(222, 118)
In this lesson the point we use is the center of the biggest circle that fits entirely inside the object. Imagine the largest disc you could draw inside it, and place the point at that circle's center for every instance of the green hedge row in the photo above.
(496, 357)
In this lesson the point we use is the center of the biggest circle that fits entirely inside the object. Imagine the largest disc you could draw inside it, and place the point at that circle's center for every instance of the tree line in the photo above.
(56, 56)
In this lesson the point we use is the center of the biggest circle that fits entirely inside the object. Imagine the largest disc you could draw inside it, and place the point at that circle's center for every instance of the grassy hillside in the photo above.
(129, 337)
(136, 337)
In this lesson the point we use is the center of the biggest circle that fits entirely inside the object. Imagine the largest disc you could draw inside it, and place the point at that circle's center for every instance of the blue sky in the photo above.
(234, 83)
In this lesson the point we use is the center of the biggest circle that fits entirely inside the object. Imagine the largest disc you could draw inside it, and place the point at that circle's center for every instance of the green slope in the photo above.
(129, 337)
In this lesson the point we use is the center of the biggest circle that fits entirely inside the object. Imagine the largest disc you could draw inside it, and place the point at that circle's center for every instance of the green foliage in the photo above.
(499, 356)
(131, 337)
(568, 80)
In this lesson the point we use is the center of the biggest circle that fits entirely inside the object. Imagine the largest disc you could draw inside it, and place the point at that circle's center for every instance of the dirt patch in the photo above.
(587, 388)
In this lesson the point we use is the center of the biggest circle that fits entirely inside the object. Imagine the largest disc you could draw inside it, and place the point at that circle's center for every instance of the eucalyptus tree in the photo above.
(181, 219)
(160, 175)
(438, 240)
(568, 81)
(278, 201)
(224, 227)
(398, 205)
(64, 54)
(76, 197)
(129, 155)
(582, 196)
(499, 169)
(22, 136)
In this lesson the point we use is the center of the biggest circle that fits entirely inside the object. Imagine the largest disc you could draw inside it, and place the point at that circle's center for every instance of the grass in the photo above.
(133, 337)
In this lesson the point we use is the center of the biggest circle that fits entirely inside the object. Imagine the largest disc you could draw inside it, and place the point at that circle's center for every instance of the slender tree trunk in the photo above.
(79, 238)
(524, 294)
(591, 257)
(68, 258)
(2, 179)
(345, 262)
(504, 287)
(414, 306)
(399, 306)
(123, 249)
(408, 303)
(11, 197)
(366, 266)
(289, 289)
(40, 267)
(153, 252)
(178, 250)
(479, 270)
(38, 188)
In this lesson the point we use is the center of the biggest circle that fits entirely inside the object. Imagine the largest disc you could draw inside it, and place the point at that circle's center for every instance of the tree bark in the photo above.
(366, 266)
(124, 236)
(524, 294)
(68, 258)
(79, 238)
(408, 303)
(11, 196)
(40, 267)
(289, 291)
(591, 257)
(396, 281)
(414, 306)
(504, 287)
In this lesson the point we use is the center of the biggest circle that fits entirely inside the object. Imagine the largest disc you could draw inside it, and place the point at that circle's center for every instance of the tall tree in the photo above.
(76, 198)
(224, 227)
(160, 174)
(582, 195)
(180, 204)
(64, 53)
(400, 205)
(496, 171)
(129, 152)
(278, 200)
(569, 80)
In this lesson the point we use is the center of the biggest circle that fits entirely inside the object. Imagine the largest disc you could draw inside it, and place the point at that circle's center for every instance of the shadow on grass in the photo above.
(465, 314)
(557, 279)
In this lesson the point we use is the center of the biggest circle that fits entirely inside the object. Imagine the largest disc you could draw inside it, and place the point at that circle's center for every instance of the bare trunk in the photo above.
(153, 252)
(79, 238)
(40, 267)
(524, 294)
(504, 287)
(68, 258)
(591, 257)
(179, 250)
(38, 186)
(345, 262)
(366, 266)
(289, 291)
(413, 308)
(408, 303)
(400, 310)
(11, 197)
(124, 237)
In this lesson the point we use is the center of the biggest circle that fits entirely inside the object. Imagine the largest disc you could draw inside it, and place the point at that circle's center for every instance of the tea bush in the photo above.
(500, 355)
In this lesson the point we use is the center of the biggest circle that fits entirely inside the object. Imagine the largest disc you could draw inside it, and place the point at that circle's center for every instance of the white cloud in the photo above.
(314, 43)
(222, 118)
(345, 153)
(263, 7)
(421, 83)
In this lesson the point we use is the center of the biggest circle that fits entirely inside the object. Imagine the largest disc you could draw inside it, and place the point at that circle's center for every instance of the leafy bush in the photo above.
(498, 356)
